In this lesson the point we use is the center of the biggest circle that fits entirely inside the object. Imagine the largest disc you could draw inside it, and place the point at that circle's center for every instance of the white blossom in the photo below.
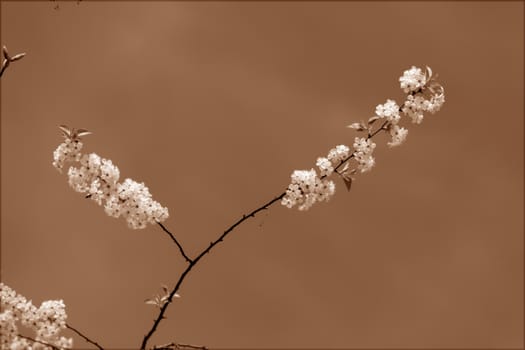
(412, 79)
(398, 134)
(67, 151)
(325, 166)
(338, 154)
(98, 179)
(363, 153)
(389, 111)
(306, 188)
(47, 321)
(414, 107)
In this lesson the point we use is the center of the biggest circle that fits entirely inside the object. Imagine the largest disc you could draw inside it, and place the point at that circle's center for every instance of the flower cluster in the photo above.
(307, 187)
(413, 79)
(363, 153)
(46, 321)
(98, 179)
(424, 94)
(68, 151)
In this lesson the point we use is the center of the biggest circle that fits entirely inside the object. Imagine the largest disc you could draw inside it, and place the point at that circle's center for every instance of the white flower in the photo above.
(338, 154)
(325, 166)
(47, 321)
(306, 188)
(67, 151)
(136, 205)
(398, 134)
(363, 153)
(98, 178)
(389, 111)
(435, 103)
(414, 107)
(412, 79)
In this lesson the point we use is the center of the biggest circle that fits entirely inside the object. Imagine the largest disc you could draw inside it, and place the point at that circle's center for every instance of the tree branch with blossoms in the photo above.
(98, 179)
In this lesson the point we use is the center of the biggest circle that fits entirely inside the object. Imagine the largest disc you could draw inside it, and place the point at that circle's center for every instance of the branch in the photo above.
(176, 242)
(8, 59)
(179, 346)
(163, 309)
(85, 338)
(196, 260)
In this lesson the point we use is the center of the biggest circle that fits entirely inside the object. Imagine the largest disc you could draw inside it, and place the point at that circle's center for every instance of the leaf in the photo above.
(65, 130)
(82, 132)
(429, 73)
(6, 54)
(373, 119)
(348, 181)
(17, 57)
(356, 126)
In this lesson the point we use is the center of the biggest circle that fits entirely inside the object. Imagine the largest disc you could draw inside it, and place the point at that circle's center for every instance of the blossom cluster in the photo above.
(46, 321)
(98, 178)
(307, 187)
(424, 94)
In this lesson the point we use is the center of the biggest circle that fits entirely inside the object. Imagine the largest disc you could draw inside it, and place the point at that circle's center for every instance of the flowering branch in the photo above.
(38, 341)
(8, 59)
(98, 177)
(164, 307)
(83, 336)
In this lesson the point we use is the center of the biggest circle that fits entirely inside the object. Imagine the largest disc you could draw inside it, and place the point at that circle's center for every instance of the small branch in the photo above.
(176, 242)
(8, 59)
(85, 338)
(178, 346)
(196, 260)
(39, 342)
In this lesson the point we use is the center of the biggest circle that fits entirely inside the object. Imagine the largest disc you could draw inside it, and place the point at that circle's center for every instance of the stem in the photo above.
(176, 242)
(196, 260)
(85, 338)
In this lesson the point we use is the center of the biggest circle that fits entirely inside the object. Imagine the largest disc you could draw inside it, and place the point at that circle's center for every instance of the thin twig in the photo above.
(39, 342)
(85, 338)
(178, 346)
(176, 242)
(196, 260)
(8, 59)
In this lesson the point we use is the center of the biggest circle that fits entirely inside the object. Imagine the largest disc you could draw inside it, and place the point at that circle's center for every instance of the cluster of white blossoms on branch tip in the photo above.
(98, 178)
(424, 94)
(46, 321)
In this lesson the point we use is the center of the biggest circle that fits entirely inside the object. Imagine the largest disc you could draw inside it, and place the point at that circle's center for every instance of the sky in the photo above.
(213, 105)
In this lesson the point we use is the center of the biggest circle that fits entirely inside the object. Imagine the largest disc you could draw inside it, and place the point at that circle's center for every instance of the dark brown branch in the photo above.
(178, 346)
(176, 242)
(196, 260)
(85, 338)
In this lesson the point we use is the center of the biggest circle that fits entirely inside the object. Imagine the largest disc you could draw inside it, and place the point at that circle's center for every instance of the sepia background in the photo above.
(213, 105)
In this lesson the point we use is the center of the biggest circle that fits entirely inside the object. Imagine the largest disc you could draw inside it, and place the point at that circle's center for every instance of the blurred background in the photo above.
(213, 105)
